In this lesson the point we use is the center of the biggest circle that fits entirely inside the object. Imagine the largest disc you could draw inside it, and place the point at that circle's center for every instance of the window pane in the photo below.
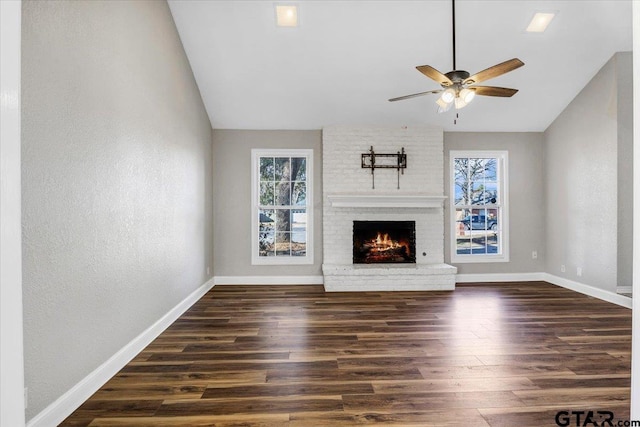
(479, 242)
(491, 169)
(491, 196)
(283, 169)
(283, 220)
(283, 193)
(460, 169)
(476, 169)
(492, 219)
(493, 242)
(461, 189)
(267, 246)
(283, 243)
(299, 232)
(267, 220)
(463, 231)
(266, 193)
(462, 219)
(298, 169)
(463, 245)
(299, 195)
(299, 235)
(477, 192)
(266, 169)
(266, 234)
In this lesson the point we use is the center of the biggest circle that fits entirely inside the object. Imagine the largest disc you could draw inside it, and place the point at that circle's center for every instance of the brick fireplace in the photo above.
(349, 199)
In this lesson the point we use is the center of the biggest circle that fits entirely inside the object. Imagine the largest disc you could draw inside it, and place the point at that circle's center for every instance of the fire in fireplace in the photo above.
(384, 242)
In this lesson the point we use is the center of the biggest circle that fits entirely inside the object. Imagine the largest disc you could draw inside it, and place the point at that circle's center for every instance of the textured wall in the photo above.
(117, 183)
(232, 199)
(526, 198)
(581, 148)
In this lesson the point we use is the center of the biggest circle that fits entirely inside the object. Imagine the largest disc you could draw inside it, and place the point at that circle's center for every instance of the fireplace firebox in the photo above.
(384, 242)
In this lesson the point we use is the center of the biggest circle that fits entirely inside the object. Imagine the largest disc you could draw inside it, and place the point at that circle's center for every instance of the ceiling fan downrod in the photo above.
(453, 24)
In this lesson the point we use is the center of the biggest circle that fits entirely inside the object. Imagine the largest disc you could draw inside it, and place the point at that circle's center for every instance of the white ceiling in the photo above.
(348, 57)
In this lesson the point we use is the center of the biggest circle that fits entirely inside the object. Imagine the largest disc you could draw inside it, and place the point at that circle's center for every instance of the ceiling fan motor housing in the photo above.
(457, 76)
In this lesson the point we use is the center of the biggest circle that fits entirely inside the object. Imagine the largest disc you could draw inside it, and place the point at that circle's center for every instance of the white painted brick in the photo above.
(342, 173)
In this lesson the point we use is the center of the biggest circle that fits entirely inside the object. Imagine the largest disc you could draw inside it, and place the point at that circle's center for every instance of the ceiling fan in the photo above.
(459, 86)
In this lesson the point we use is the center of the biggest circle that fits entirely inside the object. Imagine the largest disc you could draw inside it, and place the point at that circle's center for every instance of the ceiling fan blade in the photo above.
(414, 95)
(434, 74)
(495, 71)
(504, 92)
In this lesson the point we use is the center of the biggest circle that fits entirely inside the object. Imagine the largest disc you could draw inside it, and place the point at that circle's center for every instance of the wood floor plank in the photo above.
(413, 401)
(235, 420)
(456, 385)
(428, 418)
(254, 405)
(298, 389)
(483, 355)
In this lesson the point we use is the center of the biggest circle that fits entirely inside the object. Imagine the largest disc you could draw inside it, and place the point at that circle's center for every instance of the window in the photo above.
(282, 207)
(479, 211)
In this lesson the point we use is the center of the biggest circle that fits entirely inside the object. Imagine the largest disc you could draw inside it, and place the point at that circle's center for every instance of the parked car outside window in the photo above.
(479, 222)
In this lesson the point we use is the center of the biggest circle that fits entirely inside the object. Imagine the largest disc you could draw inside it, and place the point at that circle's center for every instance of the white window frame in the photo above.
(256, 259)
(503, 205)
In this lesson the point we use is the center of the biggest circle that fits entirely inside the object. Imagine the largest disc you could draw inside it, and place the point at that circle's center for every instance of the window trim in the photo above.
(503, 183)
(256, 259)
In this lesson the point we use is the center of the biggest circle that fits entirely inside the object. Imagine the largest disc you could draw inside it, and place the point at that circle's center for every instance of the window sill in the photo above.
(273, 260)
(478, 259)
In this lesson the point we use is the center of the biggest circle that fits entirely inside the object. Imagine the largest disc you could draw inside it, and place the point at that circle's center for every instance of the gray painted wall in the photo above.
(624, 79)
(117, 183)
(526, 198)
(232, 199)
(581, 169)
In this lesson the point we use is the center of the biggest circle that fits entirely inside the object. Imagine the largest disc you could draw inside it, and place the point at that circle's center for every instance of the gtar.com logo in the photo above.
(591, 418)
(584, 418)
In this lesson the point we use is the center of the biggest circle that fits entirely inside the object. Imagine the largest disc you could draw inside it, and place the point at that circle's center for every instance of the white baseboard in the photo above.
(268, 280)
(499, 277)
(624, 289)
(608, 296)
(55, 413)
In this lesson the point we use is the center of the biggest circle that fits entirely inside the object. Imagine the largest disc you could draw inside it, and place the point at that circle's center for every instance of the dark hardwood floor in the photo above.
(484, 355)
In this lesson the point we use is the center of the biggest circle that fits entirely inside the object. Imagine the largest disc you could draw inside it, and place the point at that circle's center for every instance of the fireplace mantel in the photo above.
(385, 201)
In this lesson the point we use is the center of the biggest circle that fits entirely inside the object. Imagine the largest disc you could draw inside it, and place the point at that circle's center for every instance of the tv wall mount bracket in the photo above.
(373, 161)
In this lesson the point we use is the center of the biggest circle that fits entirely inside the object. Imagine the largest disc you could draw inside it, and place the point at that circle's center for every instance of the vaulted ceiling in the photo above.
(346, 58)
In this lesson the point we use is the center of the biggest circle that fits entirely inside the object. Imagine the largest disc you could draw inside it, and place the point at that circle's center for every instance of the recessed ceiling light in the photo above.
(540, 22)
(287, 15)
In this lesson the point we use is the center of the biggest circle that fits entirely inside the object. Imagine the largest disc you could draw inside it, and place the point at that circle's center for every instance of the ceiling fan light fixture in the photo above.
(460, 103)
(443, 107)
(448, 96)
(467, 95)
